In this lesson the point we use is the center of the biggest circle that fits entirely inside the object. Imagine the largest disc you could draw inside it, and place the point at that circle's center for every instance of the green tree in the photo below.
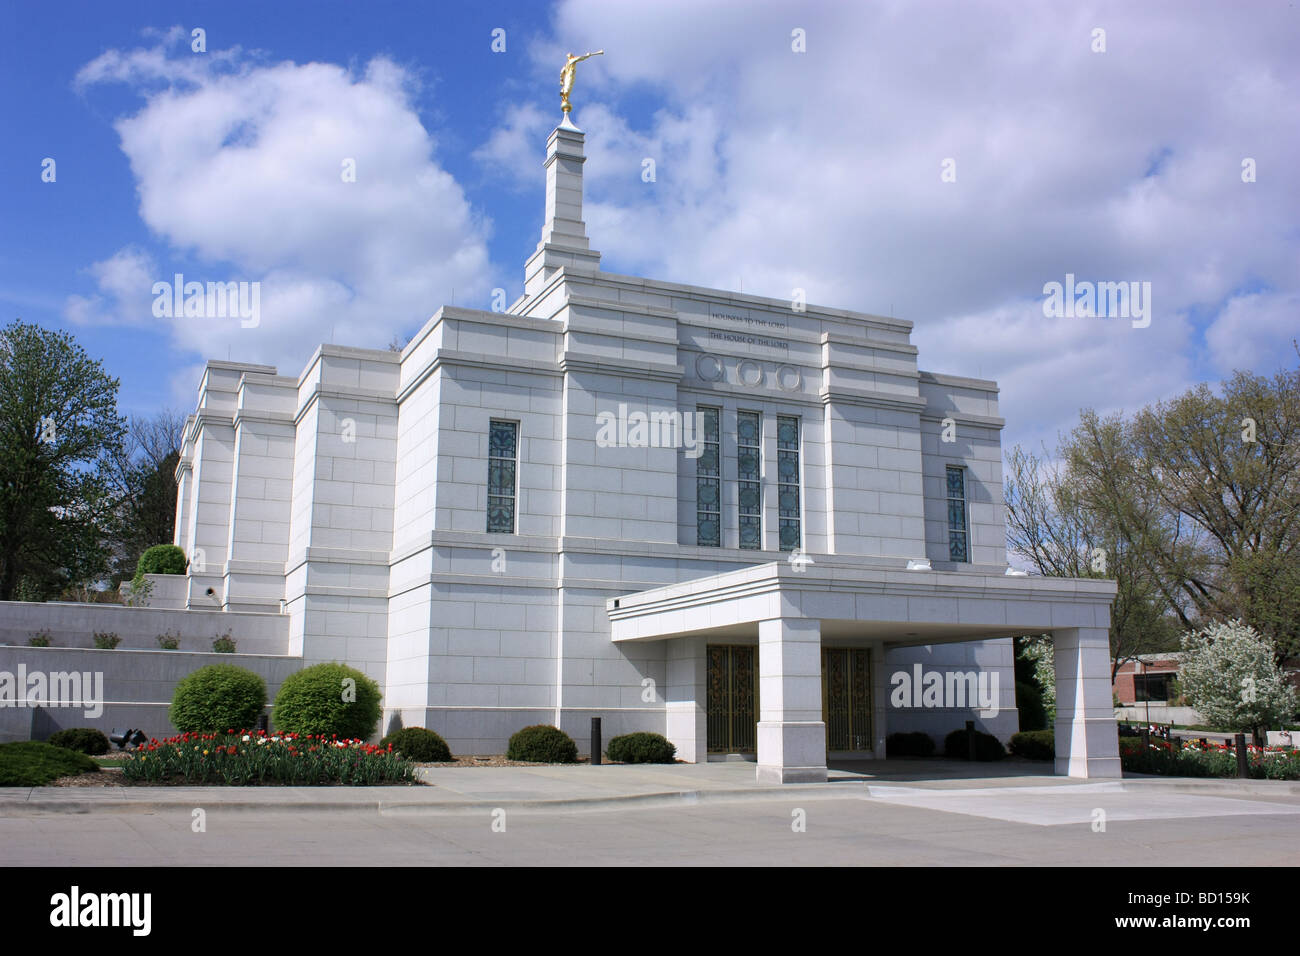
(1069, 522)
(143, 478)
(1230, 677)
(1226, 468)
(58, 427)
(1192, 506)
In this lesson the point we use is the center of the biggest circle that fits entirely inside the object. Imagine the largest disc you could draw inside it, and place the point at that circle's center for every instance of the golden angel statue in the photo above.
(567, 76)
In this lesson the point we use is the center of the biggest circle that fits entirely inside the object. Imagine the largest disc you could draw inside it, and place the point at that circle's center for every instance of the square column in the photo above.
(684, 698)
(564, 241)
(880, 688)
(791, 733)
(1087, 739)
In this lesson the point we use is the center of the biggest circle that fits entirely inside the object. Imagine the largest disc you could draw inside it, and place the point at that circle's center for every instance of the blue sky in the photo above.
(775, 169)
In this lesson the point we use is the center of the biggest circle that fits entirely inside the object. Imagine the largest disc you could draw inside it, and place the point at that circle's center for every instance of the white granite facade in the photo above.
(355, 499)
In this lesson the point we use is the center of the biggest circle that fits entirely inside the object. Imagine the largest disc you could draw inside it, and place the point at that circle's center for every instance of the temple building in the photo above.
(753, 525)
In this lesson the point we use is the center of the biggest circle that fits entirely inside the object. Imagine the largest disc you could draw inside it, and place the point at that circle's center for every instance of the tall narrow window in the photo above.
(708, 483)
(503, 454)
(787, 476)
(748, 469)
(958, 549)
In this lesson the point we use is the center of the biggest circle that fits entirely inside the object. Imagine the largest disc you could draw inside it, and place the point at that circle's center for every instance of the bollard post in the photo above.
(1243, 761)
(970, 740)
(595, 741)
(1146, 738)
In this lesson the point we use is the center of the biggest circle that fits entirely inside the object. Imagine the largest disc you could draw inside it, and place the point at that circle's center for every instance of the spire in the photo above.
(564, 159)
(564, 240)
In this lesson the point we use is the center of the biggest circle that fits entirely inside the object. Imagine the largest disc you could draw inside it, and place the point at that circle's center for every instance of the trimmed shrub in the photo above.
(913, 744)
(987, 747)
(29, 763)
(40, 639)
(1213, 760)
(105, 640)
(85, 740)
(418, 744)
(216, 699)
(642, 747)
(542, 743)
(1029, 701)
(328, 699)
(169, 641)
(1034, 744)
(160, 559)
(223, 644)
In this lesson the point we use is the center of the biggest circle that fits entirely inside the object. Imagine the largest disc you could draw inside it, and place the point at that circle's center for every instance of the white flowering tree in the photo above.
(1041, 650)
(1230, 676)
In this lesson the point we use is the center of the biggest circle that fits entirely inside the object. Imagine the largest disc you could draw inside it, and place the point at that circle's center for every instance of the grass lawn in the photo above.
(32, 764)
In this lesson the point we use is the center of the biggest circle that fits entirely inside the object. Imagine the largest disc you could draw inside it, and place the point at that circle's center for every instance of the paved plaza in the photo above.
(876, 813)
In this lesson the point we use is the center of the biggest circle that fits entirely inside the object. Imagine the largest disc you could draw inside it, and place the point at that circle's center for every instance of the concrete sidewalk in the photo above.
(554, 788)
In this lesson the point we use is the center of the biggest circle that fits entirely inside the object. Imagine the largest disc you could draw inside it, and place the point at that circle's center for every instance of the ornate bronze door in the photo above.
(846, 697)
(732, 703)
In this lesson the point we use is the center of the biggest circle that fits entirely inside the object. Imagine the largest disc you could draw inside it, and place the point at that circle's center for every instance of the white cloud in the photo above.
(516, 148)
(239, 166)
(124, 281)
(1254, 332)
(821, 170)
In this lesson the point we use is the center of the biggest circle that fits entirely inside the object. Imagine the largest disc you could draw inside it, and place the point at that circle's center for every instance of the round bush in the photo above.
(418, 744)
(1029, 701)
(328, 699)
(161, 559)
(914, 744)
(85, 740)
(987, 747)
(542, 743)
(642, 747)
(1034, 744)
(218, 698)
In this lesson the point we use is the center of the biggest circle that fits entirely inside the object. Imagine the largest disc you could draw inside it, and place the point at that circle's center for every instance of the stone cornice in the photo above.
(832, 338)
(454, 358)
(846, 395)
(603, 365)
(614, 305)
(317, 391)
(932, 414)
(960, 381)
(742, 298)
(777, 577)
(260, 417)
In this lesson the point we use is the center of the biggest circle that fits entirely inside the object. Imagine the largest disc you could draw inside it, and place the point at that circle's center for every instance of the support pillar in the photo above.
(1087, 739)
(684, 698)
(880, 687)
(791, 733)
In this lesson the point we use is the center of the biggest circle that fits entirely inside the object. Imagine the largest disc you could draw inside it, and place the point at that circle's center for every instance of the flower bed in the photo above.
(252, 758)
(1212, 760)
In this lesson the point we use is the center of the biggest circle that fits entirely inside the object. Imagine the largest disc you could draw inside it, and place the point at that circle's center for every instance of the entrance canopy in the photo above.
(792, 608)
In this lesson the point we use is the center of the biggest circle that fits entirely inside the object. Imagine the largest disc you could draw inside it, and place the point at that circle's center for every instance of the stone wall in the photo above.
(73, 625)
(134, 687)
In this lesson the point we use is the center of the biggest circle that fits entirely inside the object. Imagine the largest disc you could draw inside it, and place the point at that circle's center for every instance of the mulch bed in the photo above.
(112, 776)
(106, 777)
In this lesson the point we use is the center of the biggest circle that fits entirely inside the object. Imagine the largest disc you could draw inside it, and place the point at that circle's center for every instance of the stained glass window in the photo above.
(503, 446)
(708, 482)
(749, 430)
(958, 549)
(787, 477)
